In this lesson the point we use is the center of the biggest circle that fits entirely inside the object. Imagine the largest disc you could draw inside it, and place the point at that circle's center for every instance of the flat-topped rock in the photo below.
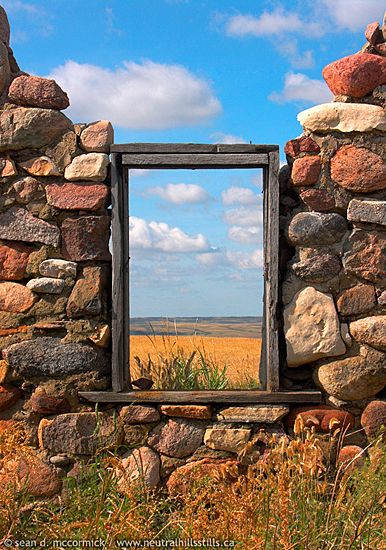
(312, 328)
(254, 413)
(139, 414)
(371, 331)
(17, 224)
(343, 117)
(77, 196)
(198, 412)
(358, 169)
(88, 167)
(35, 91)
(227, 438)
(58, 269)
(368, 211)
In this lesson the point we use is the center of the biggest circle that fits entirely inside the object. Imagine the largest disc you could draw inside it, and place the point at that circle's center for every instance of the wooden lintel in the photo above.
(204, 396)
(197, 160)
(191, 148)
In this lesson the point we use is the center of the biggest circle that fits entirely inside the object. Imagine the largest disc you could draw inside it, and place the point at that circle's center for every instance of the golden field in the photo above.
(240, 356)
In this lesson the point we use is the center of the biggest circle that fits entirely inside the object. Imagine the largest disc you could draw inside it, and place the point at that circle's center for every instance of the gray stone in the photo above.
(79, 433)
(371, 331)
(223, 438)
(60, 460)
(354, 378)
(253, 413)
(369, 211)
(30, 128)
(5, 30)
(317, 268)
(5, 70)
(139, 467)
(177, 438)
(137, 414)
(311, 328)
(59, 269)
(316, 228)
(47, 357)
(90, 167)
(17, 224)
(343, 117)
(46, 285)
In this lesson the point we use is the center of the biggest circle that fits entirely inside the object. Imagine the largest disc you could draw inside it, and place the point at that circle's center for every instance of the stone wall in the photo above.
(55, 271)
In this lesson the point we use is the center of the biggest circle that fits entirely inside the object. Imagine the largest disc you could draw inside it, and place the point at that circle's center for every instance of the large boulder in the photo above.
(370, 331)
(355, 75)
(312, 328)
(343, 117)
(358, 169)
(5, 30)
(35, 91)
(353, 378)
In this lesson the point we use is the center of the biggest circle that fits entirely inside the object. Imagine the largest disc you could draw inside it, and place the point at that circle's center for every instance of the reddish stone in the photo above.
(7, 168)
(77, 196)
(97, 137)
(306, 170)
(351, 458)
(34, 91)
(184, 478)
(86, 238)
(356, 300)
(373, 33)
(16, 330)
(47, 404)
(7, 425)
(304, 144)
(199, 412)
(374, 417)
(358, 169)
(318, 200)
(86, 296)
(15, 298)
(139, 414)
(366, 256)
(177, 438)
(323, 418)
(31, 475)
(9, 395)
(13, 261)
(381, 49)
(355, 75)
(28, 189)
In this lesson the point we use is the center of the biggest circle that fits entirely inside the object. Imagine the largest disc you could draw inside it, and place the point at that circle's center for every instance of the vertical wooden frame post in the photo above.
(120, 274)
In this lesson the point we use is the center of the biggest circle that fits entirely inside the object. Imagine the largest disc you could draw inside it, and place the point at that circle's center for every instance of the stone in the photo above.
(63, 150)
(9, 395)
(373, 418)
(358, 169)
(373, 33)
(315, 229)
(177, 438)
(13, 261)
(318, 200)
(86, 296)
(204, 452)
(7, 168)
(17, 224)
(343, 117)
(323, 418)
(139, 467)
(353, 378)
(199, 412)
(15, 298)
(365, 255)
(61, 461)
(35, 91)
(136, 435)
(58, 269)
(46, 285)
(356, 300)
(368, 211)
(80, 433)
(5, 31)
(311, 328)
(318, 268)
(5, 69)
(225, 438)
(32, 475)
(101, 337)
(304, 144)
(253, 413)
(88, 167)
(48, 357)
(3, 370)
(77, 196)
(30, 128)
(381, 49)
(355, 75)
(28, 189)
(306, 171)
(85, 238)
(370, 331)
(97, 137)
(138, 414)
(40, 166)
(169, 464)
(184, 478)
(350, 458)
(42, 403)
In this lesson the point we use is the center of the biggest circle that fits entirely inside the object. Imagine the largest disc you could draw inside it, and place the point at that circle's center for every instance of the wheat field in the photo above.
(240, 356)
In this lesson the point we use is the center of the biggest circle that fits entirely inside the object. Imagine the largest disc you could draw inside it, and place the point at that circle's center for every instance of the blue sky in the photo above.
(197, 71)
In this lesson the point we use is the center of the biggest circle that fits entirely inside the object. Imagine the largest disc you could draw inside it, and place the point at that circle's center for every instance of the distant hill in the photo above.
(221, 327)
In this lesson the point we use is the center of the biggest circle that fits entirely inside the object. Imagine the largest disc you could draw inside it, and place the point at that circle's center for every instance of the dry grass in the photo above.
(240, 356)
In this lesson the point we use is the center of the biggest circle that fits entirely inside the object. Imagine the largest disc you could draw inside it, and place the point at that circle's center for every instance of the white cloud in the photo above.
(246, 235)
(299, 60)
(140, 96)
(245, 216)
(159, 236)
(299, 87)
(240, 195)
(236, 259)
(138, 172)
(180, 193)
(228, 139)
(353, 14)
(277, 22)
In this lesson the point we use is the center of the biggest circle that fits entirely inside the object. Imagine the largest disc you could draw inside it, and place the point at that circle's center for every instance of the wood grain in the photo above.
(196, 160)
(191, 148)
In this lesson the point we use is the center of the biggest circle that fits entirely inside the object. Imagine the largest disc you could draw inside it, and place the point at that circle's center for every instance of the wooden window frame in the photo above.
(195, 156)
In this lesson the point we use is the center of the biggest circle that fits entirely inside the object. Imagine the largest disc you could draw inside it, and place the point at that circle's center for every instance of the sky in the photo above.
(203, 71)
